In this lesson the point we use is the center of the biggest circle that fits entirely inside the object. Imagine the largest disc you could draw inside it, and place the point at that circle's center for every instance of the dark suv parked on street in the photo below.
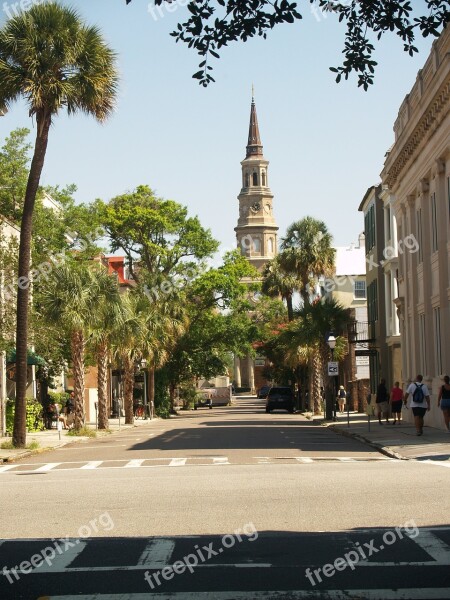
(280, 397)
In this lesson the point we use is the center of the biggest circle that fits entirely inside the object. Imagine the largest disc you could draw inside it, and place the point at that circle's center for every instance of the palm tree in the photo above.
(70, 298)
(127, 347)
(108, 316)
(307, 253)
(53, 60)
(277, 281)
(305, 341)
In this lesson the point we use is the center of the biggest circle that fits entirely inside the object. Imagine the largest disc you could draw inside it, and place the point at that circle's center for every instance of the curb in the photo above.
(386, 450)
(72, 439)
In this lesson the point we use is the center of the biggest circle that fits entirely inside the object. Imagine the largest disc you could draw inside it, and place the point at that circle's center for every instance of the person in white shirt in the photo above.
(420, 402)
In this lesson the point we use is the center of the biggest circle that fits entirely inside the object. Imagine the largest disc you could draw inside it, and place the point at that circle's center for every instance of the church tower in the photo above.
(256, 235)
(256, 231)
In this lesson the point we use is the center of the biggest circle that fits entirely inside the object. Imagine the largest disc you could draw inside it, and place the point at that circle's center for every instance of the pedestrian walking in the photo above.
(382, 401)
(341, 398)
(444, 401)
(396, 402)
(419, 394)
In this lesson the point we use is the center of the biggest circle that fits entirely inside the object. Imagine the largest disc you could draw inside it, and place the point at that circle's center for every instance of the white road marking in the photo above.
(304, 459)
(60, 562)
(346, 459)
(157, 553)
(437, 463)
(7, 468)
(93, 464)
(386, 594)
(221, 460)
(136, 462)
(177, 462)
(47, 467)
(433, 546)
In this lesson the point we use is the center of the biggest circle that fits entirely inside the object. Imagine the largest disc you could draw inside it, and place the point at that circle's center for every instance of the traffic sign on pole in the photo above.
(333, 369)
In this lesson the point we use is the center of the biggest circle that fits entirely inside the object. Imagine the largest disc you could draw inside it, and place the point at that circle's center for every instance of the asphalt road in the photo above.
(253, 499)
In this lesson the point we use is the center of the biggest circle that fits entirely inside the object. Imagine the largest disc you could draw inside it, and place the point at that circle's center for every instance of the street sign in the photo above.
(333, 369)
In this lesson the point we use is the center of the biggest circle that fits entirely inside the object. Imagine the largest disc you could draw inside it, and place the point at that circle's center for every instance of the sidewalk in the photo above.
(397, 441)
(49, 439)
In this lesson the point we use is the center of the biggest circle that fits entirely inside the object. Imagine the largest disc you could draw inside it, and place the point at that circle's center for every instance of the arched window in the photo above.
(247, 180)
(256, 245)
(270, 245)
(264, 178)
(255, 178)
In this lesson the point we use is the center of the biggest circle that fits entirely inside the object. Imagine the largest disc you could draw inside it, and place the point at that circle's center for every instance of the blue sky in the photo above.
(325, 142)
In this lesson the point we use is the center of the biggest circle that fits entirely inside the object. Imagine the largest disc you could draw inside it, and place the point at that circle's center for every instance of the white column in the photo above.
(251, 374)
(237, 371)
(394, 294)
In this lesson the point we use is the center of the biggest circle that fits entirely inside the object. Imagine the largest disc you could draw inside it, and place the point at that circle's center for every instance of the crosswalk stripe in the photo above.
(60, 560)
(346, 459)
(221, 460)
(177, 462)
(47, 467)
(93, 464)
(7, 468)
(157, 553)
(136, 462)
(304, 459)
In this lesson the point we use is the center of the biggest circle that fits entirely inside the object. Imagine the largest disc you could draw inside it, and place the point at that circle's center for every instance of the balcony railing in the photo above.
(361, 331)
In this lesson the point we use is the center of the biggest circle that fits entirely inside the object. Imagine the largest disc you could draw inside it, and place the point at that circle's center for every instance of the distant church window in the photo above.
(264, 178)
(247, 180)
(270, 246)
(255, 178)
(256, 245)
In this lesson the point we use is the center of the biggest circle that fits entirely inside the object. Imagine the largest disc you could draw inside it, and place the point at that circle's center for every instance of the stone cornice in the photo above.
(430, 120)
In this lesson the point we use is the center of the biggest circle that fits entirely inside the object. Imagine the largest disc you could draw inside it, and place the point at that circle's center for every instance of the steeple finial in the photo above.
(254, 146)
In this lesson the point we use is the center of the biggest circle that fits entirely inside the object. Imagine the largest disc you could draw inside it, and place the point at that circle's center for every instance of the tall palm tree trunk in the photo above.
(317, 363)
(128, 385)
(77, 347)
(23, 291)
(102, 385)
(290, 307)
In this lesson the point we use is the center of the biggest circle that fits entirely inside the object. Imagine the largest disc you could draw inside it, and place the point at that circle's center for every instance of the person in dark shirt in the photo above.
(382, 401)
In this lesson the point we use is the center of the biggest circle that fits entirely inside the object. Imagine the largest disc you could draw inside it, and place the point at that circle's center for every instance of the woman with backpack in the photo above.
(444, 401)
(419, 394)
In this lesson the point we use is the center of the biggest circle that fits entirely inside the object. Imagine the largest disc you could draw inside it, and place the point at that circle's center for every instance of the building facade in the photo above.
(256, 233)
(416, 185)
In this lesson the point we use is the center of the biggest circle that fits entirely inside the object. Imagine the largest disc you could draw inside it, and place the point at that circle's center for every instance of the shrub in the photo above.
(34, 418)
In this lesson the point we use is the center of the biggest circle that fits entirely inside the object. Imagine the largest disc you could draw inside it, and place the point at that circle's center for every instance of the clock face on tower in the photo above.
(267, 208)
(256, 206)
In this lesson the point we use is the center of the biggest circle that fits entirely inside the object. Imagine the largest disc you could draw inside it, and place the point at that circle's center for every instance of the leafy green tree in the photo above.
(53, 60)
(14, 168)
(156, 235)
(307, 253)
(213, 24)
(219, 323)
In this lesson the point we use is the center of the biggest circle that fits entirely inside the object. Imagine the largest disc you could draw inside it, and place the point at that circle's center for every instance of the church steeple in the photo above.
(256, 230)
(254, 146)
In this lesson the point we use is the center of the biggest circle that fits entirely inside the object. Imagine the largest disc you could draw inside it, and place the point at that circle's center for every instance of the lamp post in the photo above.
(331, 412)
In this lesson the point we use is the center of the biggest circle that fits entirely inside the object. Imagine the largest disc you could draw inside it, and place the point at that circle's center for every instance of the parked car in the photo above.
(280, 398)
(203, 400)
(263, 392)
